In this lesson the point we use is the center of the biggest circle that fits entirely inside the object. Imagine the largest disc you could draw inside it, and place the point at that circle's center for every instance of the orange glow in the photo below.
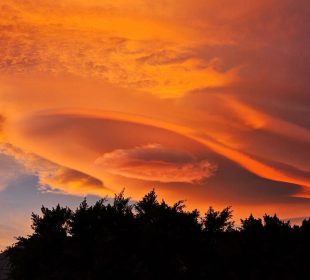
(205, 100)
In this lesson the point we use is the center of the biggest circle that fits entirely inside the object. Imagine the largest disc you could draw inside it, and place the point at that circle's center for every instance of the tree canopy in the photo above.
(150, 239)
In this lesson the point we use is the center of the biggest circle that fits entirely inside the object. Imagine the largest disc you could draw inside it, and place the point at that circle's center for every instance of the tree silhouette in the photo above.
(53, 223)
(305, 226)
(218, 221)
(147, 205)
(274, 225)
(252, 225)
(150, 239)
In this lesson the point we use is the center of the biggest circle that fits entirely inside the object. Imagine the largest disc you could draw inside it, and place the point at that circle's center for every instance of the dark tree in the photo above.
(273, 225)
(53, 223)
(251, 225)
(32, 257)
(153, 240)
(218, 221)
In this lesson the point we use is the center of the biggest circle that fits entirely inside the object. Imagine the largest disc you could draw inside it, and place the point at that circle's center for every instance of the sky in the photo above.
(206, 101)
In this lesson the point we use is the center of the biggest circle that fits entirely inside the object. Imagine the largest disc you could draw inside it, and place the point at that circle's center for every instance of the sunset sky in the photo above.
(204, 100)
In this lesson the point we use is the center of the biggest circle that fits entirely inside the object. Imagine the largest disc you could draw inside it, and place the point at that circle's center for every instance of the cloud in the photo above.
(72, 181)
(156, 163)
(219, 79)
(51, 176)
(49, 39)
(97, 133)
(2, 119)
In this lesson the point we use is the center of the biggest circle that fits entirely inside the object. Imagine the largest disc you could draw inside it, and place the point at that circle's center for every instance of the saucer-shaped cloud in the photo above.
(51, 176)
(156, 163)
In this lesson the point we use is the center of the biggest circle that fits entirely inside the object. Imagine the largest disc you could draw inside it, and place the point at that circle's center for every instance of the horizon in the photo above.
(206, 101)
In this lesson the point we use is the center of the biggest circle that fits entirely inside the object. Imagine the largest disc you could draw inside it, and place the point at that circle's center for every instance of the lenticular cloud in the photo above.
(156, 163)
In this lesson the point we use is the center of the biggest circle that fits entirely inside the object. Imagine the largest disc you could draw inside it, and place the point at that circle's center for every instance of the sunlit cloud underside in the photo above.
(206, 101)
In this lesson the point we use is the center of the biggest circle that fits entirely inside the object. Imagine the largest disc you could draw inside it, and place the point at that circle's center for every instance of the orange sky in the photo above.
(206, 101)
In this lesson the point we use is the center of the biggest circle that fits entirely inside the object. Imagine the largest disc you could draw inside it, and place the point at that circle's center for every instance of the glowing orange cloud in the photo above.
(259, 168)
(155, 163)
(206, 100)
(56, 176)
(259, 120)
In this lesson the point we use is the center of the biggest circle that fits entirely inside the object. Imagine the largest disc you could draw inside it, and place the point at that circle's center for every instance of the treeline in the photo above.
(153, 240)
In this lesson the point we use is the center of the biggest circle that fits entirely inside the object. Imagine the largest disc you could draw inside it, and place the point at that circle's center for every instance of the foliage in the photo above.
(218, 221)
(153, 240)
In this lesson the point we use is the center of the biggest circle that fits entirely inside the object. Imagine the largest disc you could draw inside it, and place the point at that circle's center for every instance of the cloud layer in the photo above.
(156, 163)
(205, 100)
